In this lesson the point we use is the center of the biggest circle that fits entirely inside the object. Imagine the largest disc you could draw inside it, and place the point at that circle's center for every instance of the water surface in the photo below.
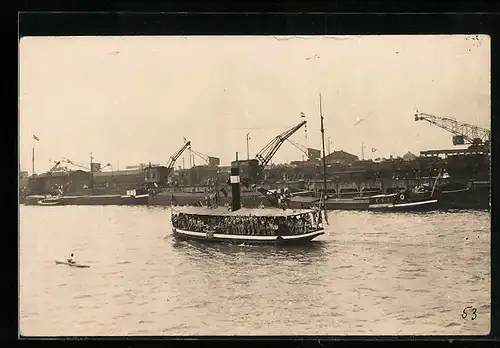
(370, 274)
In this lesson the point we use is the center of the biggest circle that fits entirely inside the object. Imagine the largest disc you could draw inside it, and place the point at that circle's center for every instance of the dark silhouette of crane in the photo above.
(255, 167)
(155, 179)
(209, 160)
(463, 133)
(308, 152)
(175, 156)
(68, 161)
(53, 168)
(266, 154)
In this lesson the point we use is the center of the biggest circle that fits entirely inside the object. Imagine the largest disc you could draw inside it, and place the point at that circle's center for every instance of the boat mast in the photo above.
(324, 159)
(435, 181)
(323, 144)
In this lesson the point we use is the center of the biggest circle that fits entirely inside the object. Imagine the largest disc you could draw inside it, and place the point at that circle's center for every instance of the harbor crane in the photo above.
(254, 168)
(176, 155)
(68, 161)
(152, 180)
(463, 133)
(266, 154)
(53, 168)
(204, 157)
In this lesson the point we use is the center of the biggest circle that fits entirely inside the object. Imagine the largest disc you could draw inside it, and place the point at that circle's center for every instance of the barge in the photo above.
(129, 199)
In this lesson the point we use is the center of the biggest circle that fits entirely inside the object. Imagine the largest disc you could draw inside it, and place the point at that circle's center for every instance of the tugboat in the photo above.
(237, 225)
(418, 199)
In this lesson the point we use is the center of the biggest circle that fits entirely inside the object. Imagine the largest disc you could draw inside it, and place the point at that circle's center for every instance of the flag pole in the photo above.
(33, 155)
(33, 161)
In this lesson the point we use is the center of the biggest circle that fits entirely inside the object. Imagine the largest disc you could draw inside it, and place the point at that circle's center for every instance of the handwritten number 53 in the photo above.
(469, 311)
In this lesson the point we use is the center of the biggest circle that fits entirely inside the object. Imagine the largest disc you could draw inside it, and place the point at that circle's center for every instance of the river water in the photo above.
(370, 274)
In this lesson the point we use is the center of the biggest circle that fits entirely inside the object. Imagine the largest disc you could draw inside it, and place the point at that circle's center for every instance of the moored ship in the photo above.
(92, 200)
(57, 188)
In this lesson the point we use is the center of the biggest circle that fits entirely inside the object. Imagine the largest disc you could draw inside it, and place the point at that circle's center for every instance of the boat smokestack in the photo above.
(235, 185)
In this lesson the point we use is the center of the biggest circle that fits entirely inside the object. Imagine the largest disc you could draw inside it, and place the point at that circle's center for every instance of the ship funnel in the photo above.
(235, 186)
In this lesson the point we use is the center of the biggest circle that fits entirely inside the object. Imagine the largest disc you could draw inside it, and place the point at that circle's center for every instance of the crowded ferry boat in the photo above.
(261, 225)
(242, 225)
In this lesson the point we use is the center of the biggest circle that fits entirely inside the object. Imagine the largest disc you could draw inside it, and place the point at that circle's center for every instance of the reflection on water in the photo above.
(370, 273)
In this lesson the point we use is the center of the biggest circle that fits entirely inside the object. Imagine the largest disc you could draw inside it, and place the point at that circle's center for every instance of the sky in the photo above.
(129, 100)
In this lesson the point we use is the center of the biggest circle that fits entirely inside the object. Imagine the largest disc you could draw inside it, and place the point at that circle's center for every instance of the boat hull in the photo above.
(346, 204)
(77, 265)
(245, 239)
(33, 199)
(466, 199)
(427, 205)
(94, 200)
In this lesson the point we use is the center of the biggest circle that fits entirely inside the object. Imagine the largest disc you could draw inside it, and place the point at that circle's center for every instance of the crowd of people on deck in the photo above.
(248, 225)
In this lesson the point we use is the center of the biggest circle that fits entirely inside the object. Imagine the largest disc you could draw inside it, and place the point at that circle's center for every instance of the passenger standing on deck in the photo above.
(246, 224)
(250, 226)
(239, 226)
(234, 227)
(255, 229)
(265, 226)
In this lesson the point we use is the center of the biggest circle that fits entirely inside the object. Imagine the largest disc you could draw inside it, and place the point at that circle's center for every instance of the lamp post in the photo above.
(248, 147)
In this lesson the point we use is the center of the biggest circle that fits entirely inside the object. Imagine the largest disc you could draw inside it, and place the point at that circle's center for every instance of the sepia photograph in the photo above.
(254, 185)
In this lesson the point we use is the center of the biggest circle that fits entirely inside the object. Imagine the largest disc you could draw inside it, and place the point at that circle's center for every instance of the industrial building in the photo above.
(341, 157)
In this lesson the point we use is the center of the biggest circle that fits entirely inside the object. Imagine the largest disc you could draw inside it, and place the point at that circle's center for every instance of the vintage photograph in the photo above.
(254, 185)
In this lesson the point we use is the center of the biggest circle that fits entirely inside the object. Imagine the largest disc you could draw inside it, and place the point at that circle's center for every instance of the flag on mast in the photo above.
(36, 138)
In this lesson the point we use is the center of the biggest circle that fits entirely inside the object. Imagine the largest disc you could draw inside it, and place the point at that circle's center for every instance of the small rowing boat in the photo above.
(78, 265)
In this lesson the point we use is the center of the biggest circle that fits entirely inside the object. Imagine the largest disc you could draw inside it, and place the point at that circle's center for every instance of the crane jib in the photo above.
(267, 153)
(464, 133)
(174, 157)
